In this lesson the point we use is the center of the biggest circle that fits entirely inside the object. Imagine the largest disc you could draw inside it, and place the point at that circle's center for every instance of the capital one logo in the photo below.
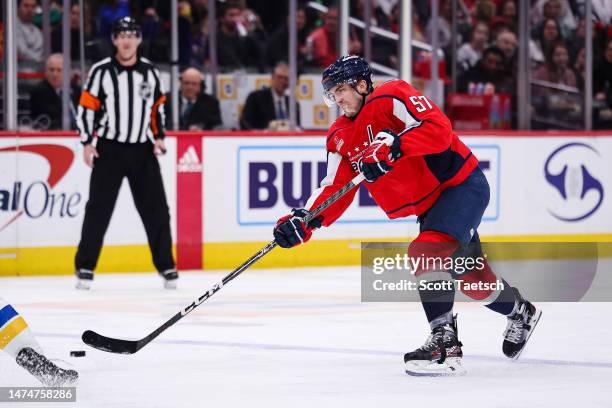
(580, 192)
(37, 198)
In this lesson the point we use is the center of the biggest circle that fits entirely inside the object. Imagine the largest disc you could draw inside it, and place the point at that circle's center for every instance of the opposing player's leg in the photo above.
(105, 182)
(17, 340)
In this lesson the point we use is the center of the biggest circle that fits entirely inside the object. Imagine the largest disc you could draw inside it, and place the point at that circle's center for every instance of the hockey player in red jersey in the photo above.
(414, 164)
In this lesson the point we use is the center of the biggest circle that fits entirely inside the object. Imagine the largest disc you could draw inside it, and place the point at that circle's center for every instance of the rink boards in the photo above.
(226, 190)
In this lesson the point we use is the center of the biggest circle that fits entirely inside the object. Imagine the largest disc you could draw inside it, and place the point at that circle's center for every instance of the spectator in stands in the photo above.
(602, 88)
(278, 45)
(443, 25)
(421, 8)
(580, 68)
(384, 50)
(271, 13)
(508, 43)
(252, 23)
(185, 37)
(548, 9)
(1, 41)
(56, 34)
(470, 52)
(109, 12)
(508, 12)
(489, 70)
(156, 32)
(29, 37)
(197, 110)
(417, 30)
(486, 10)
(268, 104)
(56, 9)
(559, 10)
(577, 40)
(602, 10)
(322, 44)
(154, 16)
(379, 19)
(235, 47)
(199, 46)
(547, 37)
(498, 24)
(418, 33)
(552, 103)
(199, 10)
(557, 69)
(602, 77)
(46, 97)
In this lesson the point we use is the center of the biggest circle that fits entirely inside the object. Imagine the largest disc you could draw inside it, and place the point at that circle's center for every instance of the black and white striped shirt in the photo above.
(125, 104)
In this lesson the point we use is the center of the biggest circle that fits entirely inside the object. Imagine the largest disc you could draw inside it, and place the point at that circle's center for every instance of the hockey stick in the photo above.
(119, 346)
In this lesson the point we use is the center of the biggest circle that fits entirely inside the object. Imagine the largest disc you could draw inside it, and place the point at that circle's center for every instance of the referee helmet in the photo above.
(126, 25)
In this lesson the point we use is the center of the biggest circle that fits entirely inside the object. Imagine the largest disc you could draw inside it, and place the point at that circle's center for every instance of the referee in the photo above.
(122, 107)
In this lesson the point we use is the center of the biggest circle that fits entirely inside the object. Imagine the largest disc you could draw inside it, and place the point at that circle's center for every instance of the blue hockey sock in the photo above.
(506, 301)
(438, 304)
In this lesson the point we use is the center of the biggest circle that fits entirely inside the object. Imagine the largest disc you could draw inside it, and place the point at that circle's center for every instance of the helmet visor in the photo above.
(328, 98)
(329, 88)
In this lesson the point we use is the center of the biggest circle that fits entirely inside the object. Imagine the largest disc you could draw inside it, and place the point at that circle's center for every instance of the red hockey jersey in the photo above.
(433, 157)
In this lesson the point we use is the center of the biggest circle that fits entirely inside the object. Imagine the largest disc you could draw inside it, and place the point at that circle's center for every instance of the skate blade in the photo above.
(83, 284)
(452, 366)
(170, 284)
(534, 323)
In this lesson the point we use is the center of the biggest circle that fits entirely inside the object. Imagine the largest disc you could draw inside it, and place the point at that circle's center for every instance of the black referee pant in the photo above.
(138, 163)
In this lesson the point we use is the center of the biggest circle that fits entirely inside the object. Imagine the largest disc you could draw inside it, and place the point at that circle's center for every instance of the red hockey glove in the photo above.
(292, 229)
(377, 159)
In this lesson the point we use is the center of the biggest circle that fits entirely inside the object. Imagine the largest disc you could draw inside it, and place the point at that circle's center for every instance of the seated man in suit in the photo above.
(197, 110)
(269, 104)
(46, 97)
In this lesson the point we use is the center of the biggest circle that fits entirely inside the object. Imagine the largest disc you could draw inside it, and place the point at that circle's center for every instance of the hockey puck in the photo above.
(77, 353)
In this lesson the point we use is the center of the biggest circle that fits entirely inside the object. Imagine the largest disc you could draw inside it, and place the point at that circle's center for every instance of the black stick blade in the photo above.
(108, 344)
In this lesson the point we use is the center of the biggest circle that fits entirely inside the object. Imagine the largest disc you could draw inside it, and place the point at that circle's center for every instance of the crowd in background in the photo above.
(252, 35)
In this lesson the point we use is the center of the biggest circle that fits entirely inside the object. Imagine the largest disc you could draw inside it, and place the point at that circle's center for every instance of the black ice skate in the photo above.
(44, 370)
(519, 328)
(170, 277)
(84, 278)
(440, 355)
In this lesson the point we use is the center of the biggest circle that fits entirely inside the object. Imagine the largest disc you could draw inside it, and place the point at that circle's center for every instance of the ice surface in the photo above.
(299, 338)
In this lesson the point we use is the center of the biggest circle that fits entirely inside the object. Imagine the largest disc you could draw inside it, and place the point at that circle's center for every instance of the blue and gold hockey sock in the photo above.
(14, 331)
